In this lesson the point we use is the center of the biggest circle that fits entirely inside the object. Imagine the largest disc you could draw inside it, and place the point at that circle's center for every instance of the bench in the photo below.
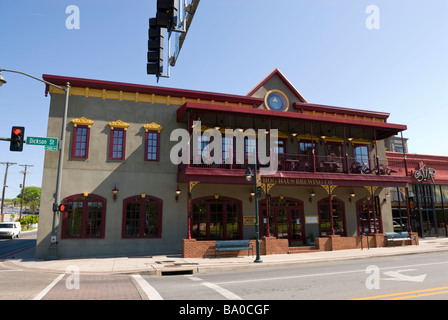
(398, 236)
(232, 245)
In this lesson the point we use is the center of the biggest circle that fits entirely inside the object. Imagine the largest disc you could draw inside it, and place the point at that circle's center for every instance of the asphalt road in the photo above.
(417, 276)
(10, 246)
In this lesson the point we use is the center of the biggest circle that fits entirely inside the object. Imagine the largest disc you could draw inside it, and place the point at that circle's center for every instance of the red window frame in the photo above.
(152, 152)
(80, 142)
(86, 219)
(117, 144)
(135, 214)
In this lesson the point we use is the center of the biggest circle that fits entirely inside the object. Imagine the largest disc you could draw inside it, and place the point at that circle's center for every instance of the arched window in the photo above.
(86, 219)
(142, 217)
(216, 219)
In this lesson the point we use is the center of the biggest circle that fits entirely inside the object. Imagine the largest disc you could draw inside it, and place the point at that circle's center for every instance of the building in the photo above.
(129, 198)
(425, 198)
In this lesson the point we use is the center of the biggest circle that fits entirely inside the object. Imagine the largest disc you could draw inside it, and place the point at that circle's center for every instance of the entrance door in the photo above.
(285, 220)
(426, 210)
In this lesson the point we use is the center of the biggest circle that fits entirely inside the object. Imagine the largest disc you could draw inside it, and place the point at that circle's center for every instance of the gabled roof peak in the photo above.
(276, 72)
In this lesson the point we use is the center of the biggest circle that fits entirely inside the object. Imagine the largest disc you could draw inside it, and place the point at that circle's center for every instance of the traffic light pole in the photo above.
(53, 243)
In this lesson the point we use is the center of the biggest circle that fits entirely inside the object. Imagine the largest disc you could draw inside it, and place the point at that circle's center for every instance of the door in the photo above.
(285, 218)
(426, 210)
(296, 222)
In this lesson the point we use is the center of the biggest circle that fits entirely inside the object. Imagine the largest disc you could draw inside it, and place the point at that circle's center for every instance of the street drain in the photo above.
(176, 272)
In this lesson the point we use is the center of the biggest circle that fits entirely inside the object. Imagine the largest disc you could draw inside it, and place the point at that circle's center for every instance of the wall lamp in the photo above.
(178, 192)
(252, 194)
(115, 191)
(352, 195)
(312, 194)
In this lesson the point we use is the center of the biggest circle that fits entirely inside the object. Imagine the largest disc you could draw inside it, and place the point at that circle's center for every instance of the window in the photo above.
(325, 217)
(85, 219)
(361, 155)
(152, 145)
(216, 219)
(280, 146)
(306, 147)
(369, 218)
(80, 142)
(142, 217)
(117, 144)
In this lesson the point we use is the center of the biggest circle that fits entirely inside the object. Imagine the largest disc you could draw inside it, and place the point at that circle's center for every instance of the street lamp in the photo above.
(257, 229)
(53, 243)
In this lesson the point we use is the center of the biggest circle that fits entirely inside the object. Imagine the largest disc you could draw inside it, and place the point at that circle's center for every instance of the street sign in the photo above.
(51, 148)
(48, 143)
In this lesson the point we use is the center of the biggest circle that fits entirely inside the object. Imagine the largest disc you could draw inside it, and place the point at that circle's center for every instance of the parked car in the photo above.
(10, 229)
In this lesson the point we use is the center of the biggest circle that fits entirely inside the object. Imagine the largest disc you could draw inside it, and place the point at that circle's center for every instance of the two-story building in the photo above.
(331, 186)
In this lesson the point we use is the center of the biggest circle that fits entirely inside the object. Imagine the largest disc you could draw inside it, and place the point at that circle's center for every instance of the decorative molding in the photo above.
(82, 122)
(360, 141)
(371, 189)
(118, 124)
(329, 188)
(153, 126)
(192, 184)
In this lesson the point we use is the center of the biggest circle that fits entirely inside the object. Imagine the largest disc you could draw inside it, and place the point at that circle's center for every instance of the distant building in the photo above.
(396, 144)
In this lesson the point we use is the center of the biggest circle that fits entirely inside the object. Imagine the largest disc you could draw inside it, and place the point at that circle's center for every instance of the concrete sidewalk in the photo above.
(172, 264)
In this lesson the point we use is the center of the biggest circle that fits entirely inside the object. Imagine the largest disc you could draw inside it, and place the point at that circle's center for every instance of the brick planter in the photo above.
(191, 248)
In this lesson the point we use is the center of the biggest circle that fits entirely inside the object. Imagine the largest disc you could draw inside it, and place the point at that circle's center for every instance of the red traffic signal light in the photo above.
(65, 207)
(17, 137)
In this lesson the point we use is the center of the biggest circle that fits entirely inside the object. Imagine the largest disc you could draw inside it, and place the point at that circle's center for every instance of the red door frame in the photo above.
(300, 207)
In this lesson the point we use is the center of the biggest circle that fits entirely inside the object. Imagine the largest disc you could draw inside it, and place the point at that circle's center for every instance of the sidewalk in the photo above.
(175, 264)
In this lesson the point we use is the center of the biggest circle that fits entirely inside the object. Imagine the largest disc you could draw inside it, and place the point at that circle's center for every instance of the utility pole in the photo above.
(23, 187)
(4, 185)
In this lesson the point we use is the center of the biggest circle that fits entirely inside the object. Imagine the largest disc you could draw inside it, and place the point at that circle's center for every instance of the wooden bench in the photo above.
(233, 245)
(398, 236)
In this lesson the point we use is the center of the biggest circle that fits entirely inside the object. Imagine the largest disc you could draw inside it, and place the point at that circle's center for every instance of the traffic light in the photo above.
(65, 207)
(17, 136)
(167, 14)
(155, 48)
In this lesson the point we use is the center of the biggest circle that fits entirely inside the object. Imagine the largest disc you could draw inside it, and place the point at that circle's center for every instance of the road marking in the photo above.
(389, 295)
(224, 292)
(398, 276)
(328, 273)
(148, 289)
(48, 288)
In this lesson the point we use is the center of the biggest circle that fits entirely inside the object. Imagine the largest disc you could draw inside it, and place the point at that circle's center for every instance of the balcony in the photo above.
(308, 163)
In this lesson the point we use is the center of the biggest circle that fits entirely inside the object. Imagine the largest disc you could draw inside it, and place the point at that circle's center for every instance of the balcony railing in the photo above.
(310, 163)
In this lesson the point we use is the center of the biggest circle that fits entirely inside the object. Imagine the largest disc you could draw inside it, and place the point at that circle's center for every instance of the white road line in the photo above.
(224, 292)
(328, 273)
(48, 288)
(149, 290)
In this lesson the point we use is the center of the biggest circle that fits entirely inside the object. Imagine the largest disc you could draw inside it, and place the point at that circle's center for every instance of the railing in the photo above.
(308, 163)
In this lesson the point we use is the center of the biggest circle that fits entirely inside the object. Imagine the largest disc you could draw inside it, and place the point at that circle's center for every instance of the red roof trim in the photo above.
(129, 87)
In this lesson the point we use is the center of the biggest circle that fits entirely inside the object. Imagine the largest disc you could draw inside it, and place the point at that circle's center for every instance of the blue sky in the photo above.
(323, 47)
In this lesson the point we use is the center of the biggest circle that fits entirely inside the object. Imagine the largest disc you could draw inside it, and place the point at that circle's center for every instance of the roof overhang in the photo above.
(383, 129)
